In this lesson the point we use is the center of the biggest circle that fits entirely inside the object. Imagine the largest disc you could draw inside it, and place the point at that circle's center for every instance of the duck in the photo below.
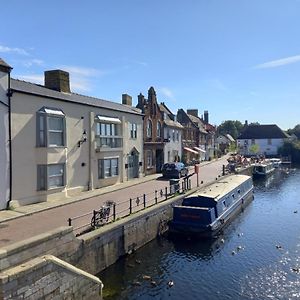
(170, 283)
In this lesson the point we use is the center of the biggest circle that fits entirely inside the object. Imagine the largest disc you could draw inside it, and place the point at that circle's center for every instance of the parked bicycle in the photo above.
(101, 216)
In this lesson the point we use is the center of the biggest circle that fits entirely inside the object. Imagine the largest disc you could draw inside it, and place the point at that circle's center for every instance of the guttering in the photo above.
(9, 95)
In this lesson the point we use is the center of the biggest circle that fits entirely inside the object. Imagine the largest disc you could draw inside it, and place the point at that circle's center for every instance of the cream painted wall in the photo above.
(81, 162)
(4, 144)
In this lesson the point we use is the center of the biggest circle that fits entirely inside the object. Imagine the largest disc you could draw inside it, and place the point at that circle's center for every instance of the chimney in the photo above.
(246, 123)
(206, 116)
(193, 112)
(126, 99)
(57, 80)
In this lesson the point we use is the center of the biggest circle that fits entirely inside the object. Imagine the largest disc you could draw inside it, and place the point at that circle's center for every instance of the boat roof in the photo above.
(221, 188)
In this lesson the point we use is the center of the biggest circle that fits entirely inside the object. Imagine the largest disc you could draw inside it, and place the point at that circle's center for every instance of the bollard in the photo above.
(114, 211)
(130, 206)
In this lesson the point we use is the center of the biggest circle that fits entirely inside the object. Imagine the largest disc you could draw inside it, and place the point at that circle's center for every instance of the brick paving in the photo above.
(28, 221)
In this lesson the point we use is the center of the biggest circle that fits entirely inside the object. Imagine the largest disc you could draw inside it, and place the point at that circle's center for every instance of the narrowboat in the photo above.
(208, 210)
(262, 169)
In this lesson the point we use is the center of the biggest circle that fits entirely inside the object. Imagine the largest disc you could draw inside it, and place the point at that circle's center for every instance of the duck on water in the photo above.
(207, 211)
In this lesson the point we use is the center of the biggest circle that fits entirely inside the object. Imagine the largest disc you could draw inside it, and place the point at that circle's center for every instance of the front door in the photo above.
(133, 165)
(159, 159)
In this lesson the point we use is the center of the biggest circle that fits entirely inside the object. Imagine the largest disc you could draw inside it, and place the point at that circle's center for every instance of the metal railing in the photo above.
(111, 211)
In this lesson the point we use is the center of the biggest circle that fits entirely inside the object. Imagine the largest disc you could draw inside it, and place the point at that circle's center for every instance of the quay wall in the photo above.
(48, 277)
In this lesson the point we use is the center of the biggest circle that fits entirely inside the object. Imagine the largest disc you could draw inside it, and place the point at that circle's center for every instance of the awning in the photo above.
(199, 149)
(108, 119)
(190, 150)
(52, 111)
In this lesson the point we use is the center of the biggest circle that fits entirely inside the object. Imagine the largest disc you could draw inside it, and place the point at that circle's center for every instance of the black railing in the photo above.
(111, 211)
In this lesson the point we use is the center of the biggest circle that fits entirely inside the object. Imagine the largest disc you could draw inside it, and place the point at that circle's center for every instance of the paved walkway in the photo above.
(28, 221)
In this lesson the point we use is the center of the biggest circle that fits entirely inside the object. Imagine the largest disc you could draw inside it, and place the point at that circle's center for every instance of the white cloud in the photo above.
(279, 62)
(31, 62)
(166, 92)
(81, 71)
(34, 78)
(5, 49)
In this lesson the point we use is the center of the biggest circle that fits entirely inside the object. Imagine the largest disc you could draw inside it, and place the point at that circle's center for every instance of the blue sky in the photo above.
(238, 59)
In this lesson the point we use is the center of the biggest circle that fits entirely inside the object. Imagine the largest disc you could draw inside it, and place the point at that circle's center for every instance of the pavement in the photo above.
(27, 221)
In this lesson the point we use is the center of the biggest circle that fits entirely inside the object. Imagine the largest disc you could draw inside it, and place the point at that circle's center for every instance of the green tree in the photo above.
(292, 149)
(295, 130)
(231, 127)
(254, 148)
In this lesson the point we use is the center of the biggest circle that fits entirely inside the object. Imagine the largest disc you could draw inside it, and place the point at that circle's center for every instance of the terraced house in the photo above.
(69, 143)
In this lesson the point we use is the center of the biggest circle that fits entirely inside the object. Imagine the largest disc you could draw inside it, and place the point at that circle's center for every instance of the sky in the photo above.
(238, 59)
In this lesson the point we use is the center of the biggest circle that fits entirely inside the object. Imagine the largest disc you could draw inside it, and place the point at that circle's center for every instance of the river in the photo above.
(256, 257)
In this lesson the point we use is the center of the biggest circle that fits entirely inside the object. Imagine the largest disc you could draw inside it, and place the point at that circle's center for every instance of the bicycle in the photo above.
(101, 216)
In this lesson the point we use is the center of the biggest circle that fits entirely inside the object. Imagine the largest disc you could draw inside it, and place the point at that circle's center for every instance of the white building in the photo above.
(4, 134)
(64, 144)
(172, 132)
(261, 140)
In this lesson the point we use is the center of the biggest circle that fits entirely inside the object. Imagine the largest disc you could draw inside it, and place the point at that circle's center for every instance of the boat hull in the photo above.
(212, 230)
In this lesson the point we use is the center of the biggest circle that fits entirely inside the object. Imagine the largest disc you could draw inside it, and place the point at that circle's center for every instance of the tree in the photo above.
(254, 148)
(295, 130)
(231, 127)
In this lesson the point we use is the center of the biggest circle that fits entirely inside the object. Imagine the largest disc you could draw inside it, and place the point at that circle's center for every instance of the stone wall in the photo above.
(48, 277)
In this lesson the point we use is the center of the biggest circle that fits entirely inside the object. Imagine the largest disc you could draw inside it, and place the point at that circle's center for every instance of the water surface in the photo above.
(256, 256)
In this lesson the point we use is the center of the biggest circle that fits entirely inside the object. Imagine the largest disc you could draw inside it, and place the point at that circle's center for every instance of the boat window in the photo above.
(224, 204)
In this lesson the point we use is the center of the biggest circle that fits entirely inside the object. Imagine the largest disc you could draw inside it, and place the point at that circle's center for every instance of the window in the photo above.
(253, 142)
(133, 130)
(108, 167)
(158, 131)
(149, 158)
(269, 141)
(107, 135)
(173, 135)
(177, 135)
(51, 128)
(50, 176)
(149, 129)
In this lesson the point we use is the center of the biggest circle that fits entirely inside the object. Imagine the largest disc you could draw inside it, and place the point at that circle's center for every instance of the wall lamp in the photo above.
(83, 138)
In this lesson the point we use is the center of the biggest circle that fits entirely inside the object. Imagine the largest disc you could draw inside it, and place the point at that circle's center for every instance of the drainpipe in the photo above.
(9, 95)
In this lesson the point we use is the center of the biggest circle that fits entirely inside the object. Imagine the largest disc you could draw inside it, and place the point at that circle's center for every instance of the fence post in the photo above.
(190, 184)
(130, 206)
(144, 199)
(223, 170)
(70, 221)
(182, 186)
(155, 196)
(94, 218)
(166, 192)
(114, 211)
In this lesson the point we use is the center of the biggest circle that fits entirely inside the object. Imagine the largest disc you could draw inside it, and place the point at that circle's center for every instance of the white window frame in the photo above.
(108, 135)
(149, 128)
(158, 129)
(149, 159)
(133, 130)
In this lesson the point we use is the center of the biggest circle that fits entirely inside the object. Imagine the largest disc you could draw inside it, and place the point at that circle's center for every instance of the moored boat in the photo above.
(207, 211)
(263, 169)
(276, 162)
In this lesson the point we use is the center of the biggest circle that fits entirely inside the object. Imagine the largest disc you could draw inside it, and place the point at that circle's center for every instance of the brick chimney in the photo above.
(57, 80)
(193, 112)
(206, 121)
(126, 99)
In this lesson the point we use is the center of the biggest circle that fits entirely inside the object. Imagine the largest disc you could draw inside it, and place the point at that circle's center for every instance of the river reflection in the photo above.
(256, 257)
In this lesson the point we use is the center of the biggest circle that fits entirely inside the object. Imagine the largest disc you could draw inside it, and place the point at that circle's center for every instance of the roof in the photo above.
(4, 65)
(220, 188)
(39, 90)
(198, 122)
(172, 123)
(262, 132)
(229, 137)
(163, 108)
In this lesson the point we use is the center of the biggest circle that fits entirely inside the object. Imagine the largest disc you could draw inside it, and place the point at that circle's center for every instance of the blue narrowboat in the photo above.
(207, 211)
